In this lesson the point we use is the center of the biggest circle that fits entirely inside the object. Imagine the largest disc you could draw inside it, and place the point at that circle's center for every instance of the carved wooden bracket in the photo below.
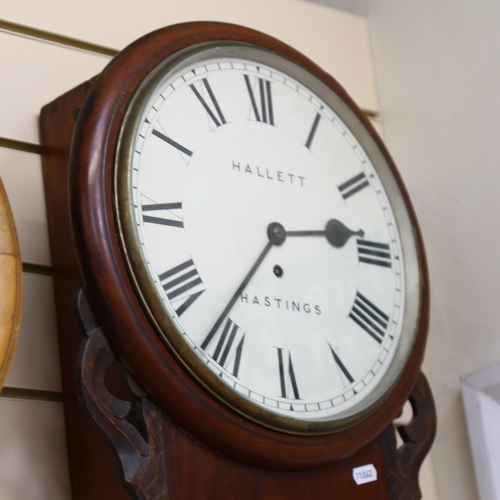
(133, 428)
(403, 463)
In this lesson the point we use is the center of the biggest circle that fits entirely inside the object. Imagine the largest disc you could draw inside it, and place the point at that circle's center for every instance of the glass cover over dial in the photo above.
(267, 236)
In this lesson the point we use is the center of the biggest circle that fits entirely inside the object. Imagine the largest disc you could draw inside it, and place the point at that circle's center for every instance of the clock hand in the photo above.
(277, 235)
(336, 233)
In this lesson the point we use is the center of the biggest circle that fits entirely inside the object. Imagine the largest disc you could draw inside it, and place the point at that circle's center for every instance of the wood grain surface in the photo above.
(11, 286)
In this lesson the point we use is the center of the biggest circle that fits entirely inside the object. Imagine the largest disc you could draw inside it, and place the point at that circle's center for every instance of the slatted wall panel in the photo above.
(46, 48)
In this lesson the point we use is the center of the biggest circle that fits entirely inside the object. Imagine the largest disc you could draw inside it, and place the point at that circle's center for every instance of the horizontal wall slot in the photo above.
(37, 269)
(47, 36)
(27, 147)
(67, 41)
(370, 113)
(31, 395)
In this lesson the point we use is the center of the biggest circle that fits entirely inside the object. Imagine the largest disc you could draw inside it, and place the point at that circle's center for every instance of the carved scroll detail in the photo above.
(403, 464)
(140, 448)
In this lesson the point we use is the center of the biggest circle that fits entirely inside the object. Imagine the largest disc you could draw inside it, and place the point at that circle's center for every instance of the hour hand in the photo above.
(335, 232)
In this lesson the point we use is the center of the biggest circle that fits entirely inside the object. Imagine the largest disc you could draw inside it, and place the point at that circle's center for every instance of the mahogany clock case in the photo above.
(114, 297)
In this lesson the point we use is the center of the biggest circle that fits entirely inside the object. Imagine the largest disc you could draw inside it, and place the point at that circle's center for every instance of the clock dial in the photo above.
(262, 234)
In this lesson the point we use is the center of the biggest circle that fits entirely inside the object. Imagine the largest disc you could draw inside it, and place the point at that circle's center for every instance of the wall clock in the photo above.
(249, 252)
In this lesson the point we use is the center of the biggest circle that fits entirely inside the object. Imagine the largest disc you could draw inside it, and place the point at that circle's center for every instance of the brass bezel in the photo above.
(146, 290)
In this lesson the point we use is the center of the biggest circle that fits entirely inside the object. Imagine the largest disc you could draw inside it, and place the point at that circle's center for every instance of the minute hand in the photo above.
(335, 232)
(276, 235)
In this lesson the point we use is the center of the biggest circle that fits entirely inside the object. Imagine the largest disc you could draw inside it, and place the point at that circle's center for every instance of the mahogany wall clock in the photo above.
(249, 252)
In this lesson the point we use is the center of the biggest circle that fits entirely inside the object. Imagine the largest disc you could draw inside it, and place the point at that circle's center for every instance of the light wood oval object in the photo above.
(11, 287)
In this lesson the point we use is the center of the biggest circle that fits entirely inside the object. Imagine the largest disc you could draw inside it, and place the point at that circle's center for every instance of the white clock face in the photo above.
(268, 236)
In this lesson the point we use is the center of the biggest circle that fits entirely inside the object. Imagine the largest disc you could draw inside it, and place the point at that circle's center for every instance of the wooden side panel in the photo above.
(99, 479)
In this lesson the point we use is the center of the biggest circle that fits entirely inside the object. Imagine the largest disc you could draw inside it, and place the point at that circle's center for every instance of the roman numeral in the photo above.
(369, 317)
(313, 131)
(219, 119)
(263, 106)
(182, 284)
(287, 381)
(176, 145)
(165, 221)
(228, 347)
(352, 186)
(341, 365)
(371, 252)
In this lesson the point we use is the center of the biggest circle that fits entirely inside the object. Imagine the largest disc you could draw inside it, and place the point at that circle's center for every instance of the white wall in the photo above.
(438, 74)
(359, 7)
(34, 72)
